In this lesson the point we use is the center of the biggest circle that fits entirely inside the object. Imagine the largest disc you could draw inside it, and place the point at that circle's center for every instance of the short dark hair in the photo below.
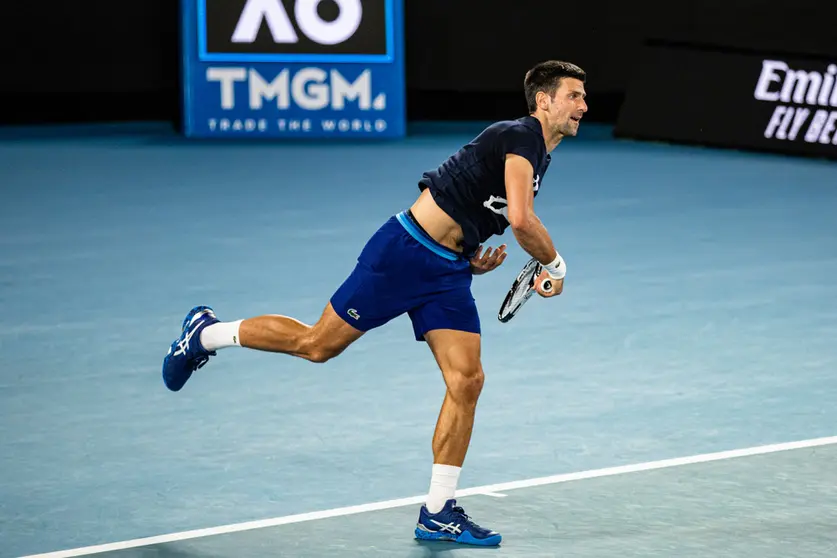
(547, 77)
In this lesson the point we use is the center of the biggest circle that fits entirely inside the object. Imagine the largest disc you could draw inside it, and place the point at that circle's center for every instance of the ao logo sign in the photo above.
(257, 12)
(288, 67)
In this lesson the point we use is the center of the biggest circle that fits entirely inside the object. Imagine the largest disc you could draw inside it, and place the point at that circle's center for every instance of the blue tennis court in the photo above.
(699, 315)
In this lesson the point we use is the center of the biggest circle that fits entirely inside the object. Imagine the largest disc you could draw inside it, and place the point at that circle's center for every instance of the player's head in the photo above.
(555, 93)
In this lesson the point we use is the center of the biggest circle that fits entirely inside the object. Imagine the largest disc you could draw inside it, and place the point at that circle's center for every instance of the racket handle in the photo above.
(546, 285)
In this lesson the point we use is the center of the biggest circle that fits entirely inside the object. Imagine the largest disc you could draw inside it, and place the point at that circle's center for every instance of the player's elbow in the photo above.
(519, 221)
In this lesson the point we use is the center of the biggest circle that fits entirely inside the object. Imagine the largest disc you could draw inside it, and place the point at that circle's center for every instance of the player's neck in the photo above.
(550, 139)
(552, 142)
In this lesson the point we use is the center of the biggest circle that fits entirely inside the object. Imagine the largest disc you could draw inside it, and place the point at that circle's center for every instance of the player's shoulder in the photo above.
(525, 130)
(524, 125)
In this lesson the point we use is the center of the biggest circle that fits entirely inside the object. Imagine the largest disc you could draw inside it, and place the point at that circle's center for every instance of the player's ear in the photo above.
(542, 100)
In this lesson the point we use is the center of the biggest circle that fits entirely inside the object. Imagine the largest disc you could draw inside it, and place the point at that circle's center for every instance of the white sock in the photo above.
(221, 335)
(442, 486)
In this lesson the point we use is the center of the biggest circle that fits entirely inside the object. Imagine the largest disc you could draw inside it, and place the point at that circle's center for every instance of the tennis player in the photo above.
(421, 262)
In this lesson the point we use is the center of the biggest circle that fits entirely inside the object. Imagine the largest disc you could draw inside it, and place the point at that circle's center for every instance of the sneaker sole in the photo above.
(464, 538)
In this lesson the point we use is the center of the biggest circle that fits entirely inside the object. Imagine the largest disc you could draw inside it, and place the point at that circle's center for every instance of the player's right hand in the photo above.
(556, 284)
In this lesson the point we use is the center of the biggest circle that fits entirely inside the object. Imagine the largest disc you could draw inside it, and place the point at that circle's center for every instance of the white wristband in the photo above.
(556, 269)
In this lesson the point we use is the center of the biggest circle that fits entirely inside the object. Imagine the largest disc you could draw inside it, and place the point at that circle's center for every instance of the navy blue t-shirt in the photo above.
(470, 185)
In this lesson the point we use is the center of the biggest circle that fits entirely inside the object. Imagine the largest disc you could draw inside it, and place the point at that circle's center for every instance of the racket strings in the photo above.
(520, 291)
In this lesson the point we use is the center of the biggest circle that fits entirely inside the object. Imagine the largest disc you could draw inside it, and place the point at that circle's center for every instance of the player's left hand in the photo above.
(483, 263)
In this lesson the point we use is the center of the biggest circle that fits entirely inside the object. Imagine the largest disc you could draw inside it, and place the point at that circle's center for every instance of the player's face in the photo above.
(567, 107)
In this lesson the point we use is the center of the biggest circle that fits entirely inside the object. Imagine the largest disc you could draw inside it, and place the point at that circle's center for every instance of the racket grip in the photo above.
(546, 285)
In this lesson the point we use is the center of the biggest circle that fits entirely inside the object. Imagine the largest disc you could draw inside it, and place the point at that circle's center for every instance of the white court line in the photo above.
(415, 500)
(494, 494)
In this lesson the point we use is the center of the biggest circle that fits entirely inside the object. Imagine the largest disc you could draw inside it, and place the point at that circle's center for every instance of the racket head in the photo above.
(521, 290)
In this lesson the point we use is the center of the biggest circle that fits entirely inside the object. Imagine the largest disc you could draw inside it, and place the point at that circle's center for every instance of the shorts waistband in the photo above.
(416, 231)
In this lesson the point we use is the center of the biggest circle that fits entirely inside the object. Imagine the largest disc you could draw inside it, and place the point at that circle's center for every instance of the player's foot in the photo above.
(451, 524)
(187, 354)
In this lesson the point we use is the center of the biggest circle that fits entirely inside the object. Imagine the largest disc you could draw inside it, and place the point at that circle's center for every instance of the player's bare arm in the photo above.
(526, 226)
(528, 229)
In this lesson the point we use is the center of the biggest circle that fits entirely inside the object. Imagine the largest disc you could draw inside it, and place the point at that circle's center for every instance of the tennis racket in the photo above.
(521, 290)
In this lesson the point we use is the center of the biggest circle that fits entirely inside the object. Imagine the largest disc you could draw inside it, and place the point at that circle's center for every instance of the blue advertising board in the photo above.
(293, 68)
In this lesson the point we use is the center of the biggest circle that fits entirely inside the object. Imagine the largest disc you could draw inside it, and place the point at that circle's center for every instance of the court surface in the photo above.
(699, 316)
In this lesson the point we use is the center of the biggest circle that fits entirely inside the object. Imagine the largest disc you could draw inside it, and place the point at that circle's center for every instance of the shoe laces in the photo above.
(461, 511)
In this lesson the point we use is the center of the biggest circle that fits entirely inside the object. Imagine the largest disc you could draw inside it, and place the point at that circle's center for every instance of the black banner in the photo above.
(746, 100)
(464, 59)
(303, 27)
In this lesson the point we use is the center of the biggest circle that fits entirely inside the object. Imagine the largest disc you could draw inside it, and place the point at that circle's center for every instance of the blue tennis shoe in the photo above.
(187, 354)
(452, 524)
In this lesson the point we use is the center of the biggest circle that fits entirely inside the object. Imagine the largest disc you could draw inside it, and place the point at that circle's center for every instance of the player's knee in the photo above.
(318, 350)
(320, 355)
(466, 383)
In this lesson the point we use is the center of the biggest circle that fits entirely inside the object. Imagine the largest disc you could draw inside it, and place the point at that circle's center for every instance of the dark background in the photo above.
(738, 119)
(103, 61)
(222, 17)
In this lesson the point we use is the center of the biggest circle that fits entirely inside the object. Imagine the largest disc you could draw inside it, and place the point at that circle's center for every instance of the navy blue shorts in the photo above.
(403, 270)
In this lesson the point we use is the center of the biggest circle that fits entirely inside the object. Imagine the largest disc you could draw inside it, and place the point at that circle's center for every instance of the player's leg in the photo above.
(372, 295)
(203, 335)
(458, 355)
(275, 333)
(450, 326)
